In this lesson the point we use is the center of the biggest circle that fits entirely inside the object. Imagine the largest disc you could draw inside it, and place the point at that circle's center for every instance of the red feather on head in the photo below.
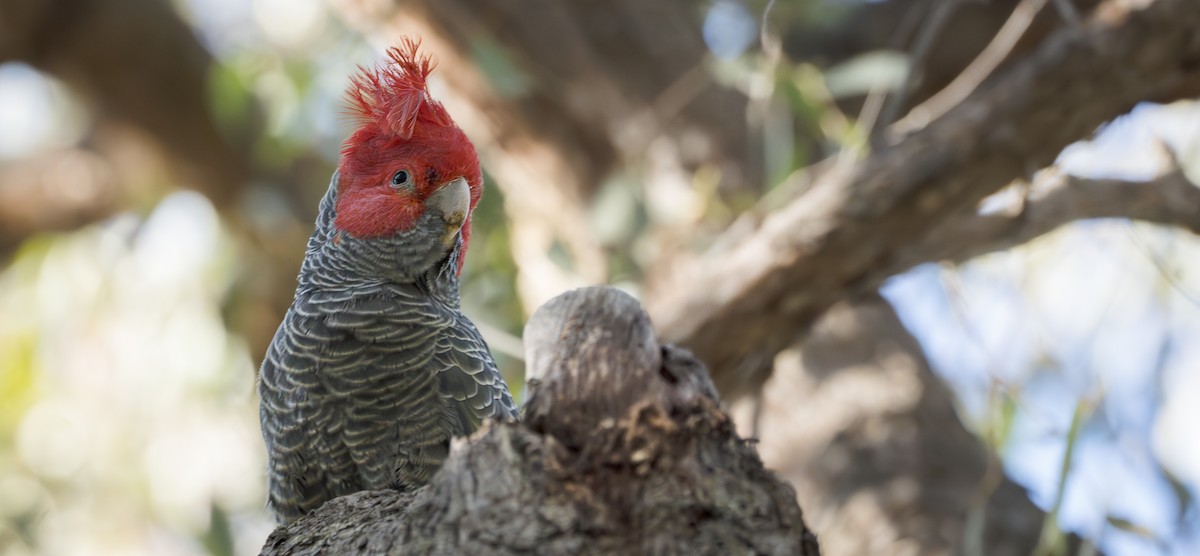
(400, 127)
(394, 95)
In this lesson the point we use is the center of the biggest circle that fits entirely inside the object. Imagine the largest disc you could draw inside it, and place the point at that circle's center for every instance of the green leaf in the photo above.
(881, 69)
(1052, 540)
(230, 101)
(1131, 527)
(218, 540)
(502, 72)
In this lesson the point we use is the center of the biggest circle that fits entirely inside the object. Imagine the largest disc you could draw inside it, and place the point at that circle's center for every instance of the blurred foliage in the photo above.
(128, 421)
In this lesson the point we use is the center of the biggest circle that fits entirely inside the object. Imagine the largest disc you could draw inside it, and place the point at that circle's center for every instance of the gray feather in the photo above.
(372, 371)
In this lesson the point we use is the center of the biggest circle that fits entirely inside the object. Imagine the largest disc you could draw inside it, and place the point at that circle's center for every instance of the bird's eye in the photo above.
(400, 179)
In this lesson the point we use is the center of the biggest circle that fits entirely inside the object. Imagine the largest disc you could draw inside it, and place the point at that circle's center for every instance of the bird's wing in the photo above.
(336, 382)
(293, 417)
(468, 378)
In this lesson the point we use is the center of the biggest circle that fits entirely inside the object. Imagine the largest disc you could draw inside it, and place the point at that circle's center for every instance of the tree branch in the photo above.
(994, 54)
(882, 463)
(1170, 200)
(624, 451)
(59, 190)
(743, 304)
(872, 26)
(135, 61)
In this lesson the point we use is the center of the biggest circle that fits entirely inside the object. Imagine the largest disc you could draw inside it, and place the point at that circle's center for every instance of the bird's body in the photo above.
(374, 367)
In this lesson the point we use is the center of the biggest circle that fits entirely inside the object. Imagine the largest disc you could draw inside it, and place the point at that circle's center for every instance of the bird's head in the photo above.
(407, 170)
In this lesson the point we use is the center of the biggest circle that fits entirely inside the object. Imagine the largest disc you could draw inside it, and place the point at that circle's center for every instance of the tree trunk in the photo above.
(855, 419)
(844, 235)
(624, 450)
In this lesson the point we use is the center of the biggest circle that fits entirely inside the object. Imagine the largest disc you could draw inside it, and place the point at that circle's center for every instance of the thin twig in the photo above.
(868, 115)
(681, 92)
(500, 340)
(868, 118)
(1161, 266)
(756, 417)
(759, 109)
(764, 37)
(975, 73)
(930, 31)
(1067, 11)
(909, 24)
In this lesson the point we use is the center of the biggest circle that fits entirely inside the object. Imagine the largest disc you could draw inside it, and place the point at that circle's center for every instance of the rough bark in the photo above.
(624, 450)
(846, 233)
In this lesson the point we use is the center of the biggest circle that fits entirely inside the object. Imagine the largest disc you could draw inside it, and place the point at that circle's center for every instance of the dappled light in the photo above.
(956, 315)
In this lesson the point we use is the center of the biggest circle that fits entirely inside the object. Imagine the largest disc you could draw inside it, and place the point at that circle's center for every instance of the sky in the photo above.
(1102, 316)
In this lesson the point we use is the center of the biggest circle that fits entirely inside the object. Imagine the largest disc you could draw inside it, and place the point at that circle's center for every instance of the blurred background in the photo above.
(161, 163)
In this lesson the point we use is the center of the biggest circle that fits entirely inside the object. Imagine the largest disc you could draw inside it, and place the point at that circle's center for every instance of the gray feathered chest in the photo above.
(373, 369)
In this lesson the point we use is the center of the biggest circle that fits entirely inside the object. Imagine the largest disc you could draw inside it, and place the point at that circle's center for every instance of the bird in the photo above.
(375, 367)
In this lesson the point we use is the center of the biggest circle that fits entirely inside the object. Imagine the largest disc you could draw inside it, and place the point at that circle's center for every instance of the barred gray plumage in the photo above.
(374, 368)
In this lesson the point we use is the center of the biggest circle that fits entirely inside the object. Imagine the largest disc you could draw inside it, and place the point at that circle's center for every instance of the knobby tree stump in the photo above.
(623, 449)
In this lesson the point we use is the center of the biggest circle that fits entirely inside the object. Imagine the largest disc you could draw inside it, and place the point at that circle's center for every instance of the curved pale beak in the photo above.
(453, 201)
